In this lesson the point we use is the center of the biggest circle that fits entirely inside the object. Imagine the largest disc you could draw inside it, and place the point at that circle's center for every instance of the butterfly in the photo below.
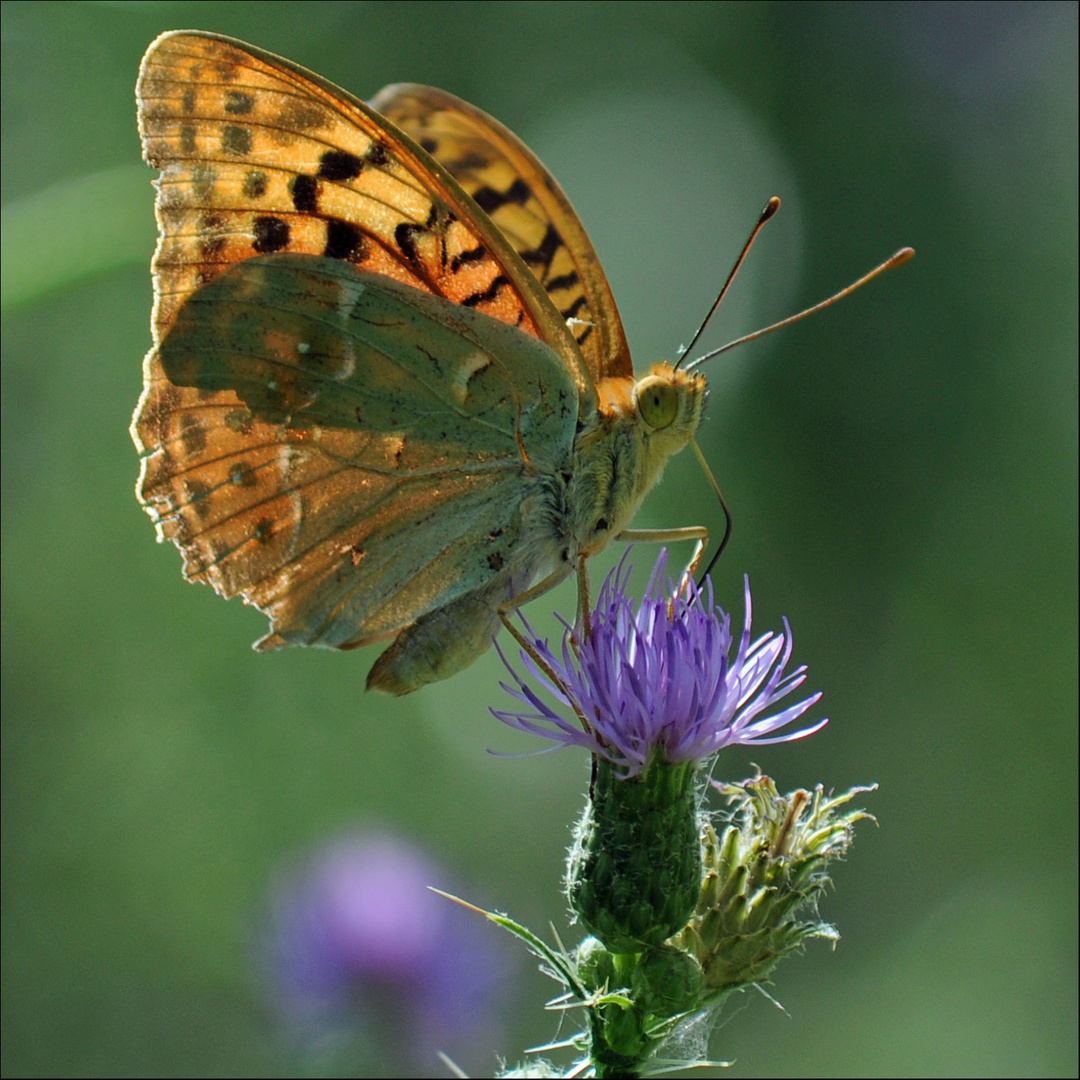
(390, 397)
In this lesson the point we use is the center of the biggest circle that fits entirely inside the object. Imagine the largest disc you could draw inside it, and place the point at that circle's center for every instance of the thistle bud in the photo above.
(768, 864)
(634, 874)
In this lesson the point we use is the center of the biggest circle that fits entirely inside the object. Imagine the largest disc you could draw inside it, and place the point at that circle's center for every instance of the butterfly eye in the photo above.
(657, 401)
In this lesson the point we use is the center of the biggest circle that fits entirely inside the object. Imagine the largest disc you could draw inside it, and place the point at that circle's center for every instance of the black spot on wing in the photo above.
(236, 140)
(544, 252)
(340, 165)
(238, 103)
(192, 434)
(243, 475)
(563, 281)
(271, 234)
(489, 200)
(301, 116)
(467, 162)
(211, 247)
(574, 308)
(255, 184)
(211, 238)
(405, 235)
(377, 154)
(344, 241)
(240, 420)
(464, 258)
(197, 493)
(305, 193)
(488, 294)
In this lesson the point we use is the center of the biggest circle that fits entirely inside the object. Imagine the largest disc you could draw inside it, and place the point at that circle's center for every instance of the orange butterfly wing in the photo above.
(259, 156)
(511, 185)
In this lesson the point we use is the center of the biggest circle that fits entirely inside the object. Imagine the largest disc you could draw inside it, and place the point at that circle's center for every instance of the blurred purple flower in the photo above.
(365, 962)
(659, 680)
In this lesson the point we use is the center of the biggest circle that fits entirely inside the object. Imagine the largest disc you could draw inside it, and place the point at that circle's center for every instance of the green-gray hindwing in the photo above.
(358, 453)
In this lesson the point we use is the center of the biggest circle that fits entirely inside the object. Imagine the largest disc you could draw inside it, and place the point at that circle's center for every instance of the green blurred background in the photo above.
(902, 470)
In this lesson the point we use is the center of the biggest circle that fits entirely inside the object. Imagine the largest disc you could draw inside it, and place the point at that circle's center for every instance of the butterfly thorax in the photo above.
(619, 455)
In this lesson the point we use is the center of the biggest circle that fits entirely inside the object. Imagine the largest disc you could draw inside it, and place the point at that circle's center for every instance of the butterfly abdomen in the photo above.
(441, 643)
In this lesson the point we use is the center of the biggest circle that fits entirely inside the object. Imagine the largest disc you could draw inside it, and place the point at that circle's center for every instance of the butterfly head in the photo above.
(657, 415)
(668, 403)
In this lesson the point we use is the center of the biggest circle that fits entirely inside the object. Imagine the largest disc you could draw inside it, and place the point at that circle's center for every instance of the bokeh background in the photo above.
(902, 470)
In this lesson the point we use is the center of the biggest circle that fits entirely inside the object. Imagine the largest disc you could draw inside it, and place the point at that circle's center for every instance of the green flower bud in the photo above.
(634, 875)
(667, 981)
(770, 863)
(624, 1033)
(595, 965)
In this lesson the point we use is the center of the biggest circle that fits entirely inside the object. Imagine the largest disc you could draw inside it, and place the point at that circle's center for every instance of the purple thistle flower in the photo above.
(658, 680)
(370, 970)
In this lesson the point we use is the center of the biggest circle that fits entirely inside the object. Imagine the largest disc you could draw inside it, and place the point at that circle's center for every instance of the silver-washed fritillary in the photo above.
(389, 391)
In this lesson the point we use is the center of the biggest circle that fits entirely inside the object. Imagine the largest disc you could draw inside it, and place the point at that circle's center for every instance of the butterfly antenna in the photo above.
(723, 506)
(900, 257)
(770, 208)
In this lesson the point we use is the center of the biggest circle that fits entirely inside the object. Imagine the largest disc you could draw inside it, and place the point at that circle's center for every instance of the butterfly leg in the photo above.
(669, 536)
(549, 583)
(527, 646)
(584, 603)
